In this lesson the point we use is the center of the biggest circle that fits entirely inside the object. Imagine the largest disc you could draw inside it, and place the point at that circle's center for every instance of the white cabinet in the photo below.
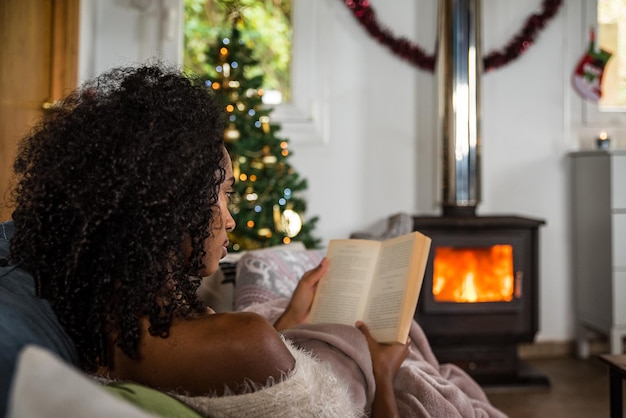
(599, 245)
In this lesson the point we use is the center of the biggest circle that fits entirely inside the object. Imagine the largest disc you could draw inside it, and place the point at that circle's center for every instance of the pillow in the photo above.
(45, 386)
(272, 273)
(151, 400)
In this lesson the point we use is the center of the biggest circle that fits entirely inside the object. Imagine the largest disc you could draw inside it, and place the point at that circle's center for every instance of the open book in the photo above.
(377, 282)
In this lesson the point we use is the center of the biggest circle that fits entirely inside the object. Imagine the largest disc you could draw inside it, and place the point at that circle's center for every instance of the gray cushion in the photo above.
(24, 319)
(271, 273)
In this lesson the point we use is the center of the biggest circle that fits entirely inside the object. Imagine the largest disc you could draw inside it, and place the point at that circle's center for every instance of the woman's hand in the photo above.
(386, 360)
(297, 311)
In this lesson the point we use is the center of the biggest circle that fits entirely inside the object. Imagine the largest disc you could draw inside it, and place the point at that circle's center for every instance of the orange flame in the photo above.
(473, 274)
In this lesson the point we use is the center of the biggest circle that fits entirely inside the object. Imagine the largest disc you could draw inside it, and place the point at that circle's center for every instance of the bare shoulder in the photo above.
(206, 354)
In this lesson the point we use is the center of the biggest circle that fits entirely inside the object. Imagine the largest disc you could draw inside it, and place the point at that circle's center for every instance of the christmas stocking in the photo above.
(587, 79)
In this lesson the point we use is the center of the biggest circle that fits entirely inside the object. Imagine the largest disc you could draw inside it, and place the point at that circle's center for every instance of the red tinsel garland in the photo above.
(413, 53)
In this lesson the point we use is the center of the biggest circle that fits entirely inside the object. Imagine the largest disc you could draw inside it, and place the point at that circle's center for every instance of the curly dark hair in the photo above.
(108, 188)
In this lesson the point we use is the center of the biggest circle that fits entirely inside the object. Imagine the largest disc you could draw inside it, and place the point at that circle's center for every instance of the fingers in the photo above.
(386, 358)
(321, 267)
(361, 326)
(299, 307)
(313, 276)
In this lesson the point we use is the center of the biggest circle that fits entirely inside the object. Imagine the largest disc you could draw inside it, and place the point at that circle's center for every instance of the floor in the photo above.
(578, 389)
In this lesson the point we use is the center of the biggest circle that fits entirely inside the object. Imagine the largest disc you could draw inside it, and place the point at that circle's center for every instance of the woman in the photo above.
(121, 208)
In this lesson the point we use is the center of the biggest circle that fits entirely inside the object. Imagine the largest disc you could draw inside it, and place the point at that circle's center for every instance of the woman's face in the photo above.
(215, 246)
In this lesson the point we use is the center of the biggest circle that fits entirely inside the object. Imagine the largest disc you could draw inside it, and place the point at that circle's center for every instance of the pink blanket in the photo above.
(424, 388)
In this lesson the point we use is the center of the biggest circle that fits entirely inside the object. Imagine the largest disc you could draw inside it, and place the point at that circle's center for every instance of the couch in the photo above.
(38, 361)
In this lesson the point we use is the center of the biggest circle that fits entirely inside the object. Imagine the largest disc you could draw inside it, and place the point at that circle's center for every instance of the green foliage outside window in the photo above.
(266, 24)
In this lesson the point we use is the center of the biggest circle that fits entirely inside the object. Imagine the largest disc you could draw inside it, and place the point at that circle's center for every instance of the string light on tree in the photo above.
(231, 133)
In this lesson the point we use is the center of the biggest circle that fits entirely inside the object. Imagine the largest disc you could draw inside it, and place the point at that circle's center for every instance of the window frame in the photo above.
(585, 12)
(306, 118)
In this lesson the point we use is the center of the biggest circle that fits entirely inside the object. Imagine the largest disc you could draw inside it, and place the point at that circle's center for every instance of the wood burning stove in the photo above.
(479, 297)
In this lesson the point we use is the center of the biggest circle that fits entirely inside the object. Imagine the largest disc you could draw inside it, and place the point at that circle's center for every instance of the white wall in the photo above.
(125, 32)
(378, 156)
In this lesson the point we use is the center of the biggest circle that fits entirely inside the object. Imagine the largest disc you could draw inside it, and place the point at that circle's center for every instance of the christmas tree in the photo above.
(267, 204)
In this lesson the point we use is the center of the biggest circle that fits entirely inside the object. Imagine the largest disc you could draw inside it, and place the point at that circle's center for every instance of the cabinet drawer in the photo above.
(619, 240)
(618, 185)
(619, 297)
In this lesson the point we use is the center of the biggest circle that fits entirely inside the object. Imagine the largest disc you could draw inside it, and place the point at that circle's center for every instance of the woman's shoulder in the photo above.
(209, 354)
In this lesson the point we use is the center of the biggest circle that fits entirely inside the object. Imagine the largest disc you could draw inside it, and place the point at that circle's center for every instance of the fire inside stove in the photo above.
(480, 296)
(470, 275)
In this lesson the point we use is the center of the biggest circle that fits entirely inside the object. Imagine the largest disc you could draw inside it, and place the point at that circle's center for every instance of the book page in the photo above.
(342, 292)
(388, 289)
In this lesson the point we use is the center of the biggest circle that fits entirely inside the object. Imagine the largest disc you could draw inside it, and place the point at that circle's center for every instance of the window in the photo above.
(611, 18)
(589, 118)
(303, 115)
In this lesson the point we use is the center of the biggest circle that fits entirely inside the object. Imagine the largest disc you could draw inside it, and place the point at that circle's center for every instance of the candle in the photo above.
(603, 141)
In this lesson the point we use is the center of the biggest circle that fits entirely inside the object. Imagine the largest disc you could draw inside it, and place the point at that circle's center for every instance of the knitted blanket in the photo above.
(423, 387)
(310, 390)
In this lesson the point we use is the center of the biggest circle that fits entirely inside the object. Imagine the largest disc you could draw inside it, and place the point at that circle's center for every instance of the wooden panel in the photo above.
(38, 62)
(64, 60)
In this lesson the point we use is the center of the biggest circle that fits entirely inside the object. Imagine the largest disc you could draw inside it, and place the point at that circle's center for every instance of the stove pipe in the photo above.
(459, 66)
